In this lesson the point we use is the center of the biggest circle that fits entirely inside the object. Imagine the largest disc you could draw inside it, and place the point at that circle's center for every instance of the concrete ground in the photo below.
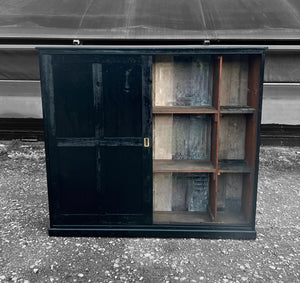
(28, 254)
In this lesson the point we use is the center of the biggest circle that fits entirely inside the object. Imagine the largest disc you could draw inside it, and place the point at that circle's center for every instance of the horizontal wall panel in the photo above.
(20, 88)
(19, 64)
(282, 67)
(20, 99)
(20, 107)
(281, 104)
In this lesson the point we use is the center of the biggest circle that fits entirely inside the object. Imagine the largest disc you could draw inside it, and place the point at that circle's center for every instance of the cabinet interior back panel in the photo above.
(181, 137)
(232, 137)
(182, 80)
(230, 192)
(234, 82)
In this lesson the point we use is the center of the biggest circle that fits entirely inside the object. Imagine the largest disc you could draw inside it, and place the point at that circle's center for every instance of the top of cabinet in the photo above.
(152, 50)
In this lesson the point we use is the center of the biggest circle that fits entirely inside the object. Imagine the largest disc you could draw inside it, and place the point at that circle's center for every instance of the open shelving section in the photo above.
(205, 122)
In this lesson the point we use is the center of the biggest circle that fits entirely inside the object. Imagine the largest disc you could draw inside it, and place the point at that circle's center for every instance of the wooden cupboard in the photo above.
(152, 141)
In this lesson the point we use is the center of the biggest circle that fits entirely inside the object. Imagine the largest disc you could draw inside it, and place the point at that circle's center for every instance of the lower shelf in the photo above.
(234, 166)
(188, 217)
(184, 166)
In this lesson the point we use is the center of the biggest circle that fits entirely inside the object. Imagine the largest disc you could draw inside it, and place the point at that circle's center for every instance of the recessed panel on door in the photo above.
(74, 100)
(122, 99)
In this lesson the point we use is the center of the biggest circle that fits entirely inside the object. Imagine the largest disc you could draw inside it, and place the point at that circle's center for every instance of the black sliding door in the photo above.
(99, 127)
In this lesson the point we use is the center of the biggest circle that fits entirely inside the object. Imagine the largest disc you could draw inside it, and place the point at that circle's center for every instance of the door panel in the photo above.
(122, 179)
(102, 110)
(122, 95)
(77, 180)
(125, 165)
(74, 101)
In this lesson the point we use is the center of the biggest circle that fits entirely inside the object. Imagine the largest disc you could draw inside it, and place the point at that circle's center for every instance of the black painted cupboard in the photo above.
(152, 141)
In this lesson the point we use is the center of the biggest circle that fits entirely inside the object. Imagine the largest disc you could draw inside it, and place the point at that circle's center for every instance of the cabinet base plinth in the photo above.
(155, 232)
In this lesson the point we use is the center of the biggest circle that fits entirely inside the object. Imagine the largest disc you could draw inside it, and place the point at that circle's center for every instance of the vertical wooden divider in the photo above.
(216, 93)
(251, 134)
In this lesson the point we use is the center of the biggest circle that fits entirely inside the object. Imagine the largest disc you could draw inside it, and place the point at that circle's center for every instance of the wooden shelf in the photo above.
(180, 217)
(202, 110)
(195, 217)
(234, 166)
(236, 110)
(183, 166)
(184, 110)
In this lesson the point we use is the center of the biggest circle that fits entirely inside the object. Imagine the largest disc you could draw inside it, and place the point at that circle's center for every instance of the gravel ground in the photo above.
(27, 254)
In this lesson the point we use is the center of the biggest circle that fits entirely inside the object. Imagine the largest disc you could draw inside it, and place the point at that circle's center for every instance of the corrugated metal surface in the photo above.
(155, 19)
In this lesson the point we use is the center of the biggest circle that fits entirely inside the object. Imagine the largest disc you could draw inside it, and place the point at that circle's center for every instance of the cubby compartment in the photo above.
(235, 85)
(181, 137)
(231, 205)
(180, 197)
(234, 82)
(183, 80)
(232, 135)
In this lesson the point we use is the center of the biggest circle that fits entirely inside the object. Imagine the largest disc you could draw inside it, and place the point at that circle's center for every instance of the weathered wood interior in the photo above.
(204, 138)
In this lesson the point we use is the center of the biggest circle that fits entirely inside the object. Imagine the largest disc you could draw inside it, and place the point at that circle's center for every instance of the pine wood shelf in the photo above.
(195, 217)
(183, 166)
(184, 110)
(234, 166)
(236, 110)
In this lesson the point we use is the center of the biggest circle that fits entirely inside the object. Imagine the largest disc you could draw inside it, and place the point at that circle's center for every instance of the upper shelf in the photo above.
(233, 166)
(183, 166)
(184, 110)
(236, 110)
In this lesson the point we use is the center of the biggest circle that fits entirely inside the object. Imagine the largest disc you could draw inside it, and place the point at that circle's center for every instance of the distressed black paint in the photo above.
(95, 120)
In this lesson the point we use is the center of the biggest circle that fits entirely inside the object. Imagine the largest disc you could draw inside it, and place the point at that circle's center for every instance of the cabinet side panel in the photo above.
(46, 73)
(251, 150)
